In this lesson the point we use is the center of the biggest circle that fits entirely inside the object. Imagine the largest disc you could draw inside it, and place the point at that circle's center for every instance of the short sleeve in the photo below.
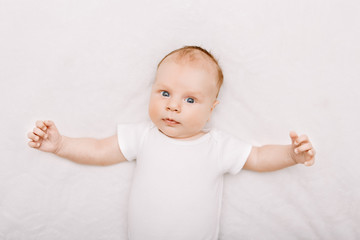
(233, 153)
(130, 137)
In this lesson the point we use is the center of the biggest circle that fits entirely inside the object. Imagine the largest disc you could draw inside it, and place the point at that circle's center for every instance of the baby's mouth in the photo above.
(170, 121)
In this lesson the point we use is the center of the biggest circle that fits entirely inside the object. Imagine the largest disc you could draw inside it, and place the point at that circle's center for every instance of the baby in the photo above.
(178, 180)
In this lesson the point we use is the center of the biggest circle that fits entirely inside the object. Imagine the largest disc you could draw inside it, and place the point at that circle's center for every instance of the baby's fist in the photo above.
(45, 137)
(302, 149)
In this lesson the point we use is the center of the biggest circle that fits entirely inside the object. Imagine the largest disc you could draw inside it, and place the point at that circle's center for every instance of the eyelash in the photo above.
(167, 94)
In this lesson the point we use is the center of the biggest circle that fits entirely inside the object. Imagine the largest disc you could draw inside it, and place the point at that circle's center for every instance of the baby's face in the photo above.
(183, 98)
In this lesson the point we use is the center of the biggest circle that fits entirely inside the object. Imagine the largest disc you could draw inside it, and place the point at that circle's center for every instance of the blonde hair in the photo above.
(192, 52)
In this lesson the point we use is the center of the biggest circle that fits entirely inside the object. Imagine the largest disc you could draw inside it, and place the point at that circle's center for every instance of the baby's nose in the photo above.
(173, 106)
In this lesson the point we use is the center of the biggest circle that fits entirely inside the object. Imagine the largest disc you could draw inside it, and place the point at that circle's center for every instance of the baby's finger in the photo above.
(303, 148)
(311, 152)
(33, 137)
(302, 139)
(309, 155)
(310, 162)
(34, 144)
(293, 136)
(39, 132)
(41, 125)
(49, 123)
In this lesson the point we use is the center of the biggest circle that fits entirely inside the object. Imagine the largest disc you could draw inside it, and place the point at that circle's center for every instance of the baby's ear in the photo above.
(214, 105)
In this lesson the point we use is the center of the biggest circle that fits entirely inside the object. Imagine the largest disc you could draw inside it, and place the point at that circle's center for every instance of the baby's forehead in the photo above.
(197, 79)
(195, 60)
(173, 66)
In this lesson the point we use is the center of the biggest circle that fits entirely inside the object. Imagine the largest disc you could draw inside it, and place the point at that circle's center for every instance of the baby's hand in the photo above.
(45, 137)
(302, 149)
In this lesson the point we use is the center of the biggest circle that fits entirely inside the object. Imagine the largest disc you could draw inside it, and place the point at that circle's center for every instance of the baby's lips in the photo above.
(171, 120)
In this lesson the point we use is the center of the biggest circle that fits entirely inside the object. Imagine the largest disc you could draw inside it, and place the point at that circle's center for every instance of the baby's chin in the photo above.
(173, 133)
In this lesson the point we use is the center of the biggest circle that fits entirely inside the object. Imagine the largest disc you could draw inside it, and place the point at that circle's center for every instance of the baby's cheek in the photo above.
(201, 118)
(153, 112)
(153, 107)
(207, 114)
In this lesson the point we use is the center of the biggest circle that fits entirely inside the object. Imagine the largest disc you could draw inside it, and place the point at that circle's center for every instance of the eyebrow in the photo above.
(191, 93)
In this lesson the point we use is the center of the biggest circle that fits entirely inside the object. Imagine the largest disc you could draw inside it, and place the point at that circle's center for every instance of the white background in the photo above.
(88, 65)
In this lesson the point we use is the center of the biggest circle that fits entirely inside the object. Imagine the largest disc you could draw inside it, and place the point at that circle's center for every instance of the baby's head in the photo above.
(185, 92)
(193, 55)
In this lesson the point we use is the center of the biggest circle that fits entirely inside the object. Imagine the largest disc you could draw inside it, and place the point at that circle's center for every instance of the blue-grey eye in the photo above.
(165, 93)
(189, 100)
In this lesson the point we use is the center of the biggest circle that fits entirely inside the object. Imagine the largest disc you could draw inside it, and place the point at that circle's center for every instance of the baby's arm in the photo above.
(47, 138)
(275, 157)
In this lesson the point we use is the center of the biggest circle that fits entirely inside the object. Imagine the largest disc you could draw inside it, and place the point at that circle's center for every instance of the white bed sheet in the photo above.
(88, 65)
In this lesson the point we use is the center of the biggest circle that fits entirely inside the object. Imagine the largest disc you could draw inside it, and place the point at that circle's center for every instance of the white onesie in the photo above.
(177, 185)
